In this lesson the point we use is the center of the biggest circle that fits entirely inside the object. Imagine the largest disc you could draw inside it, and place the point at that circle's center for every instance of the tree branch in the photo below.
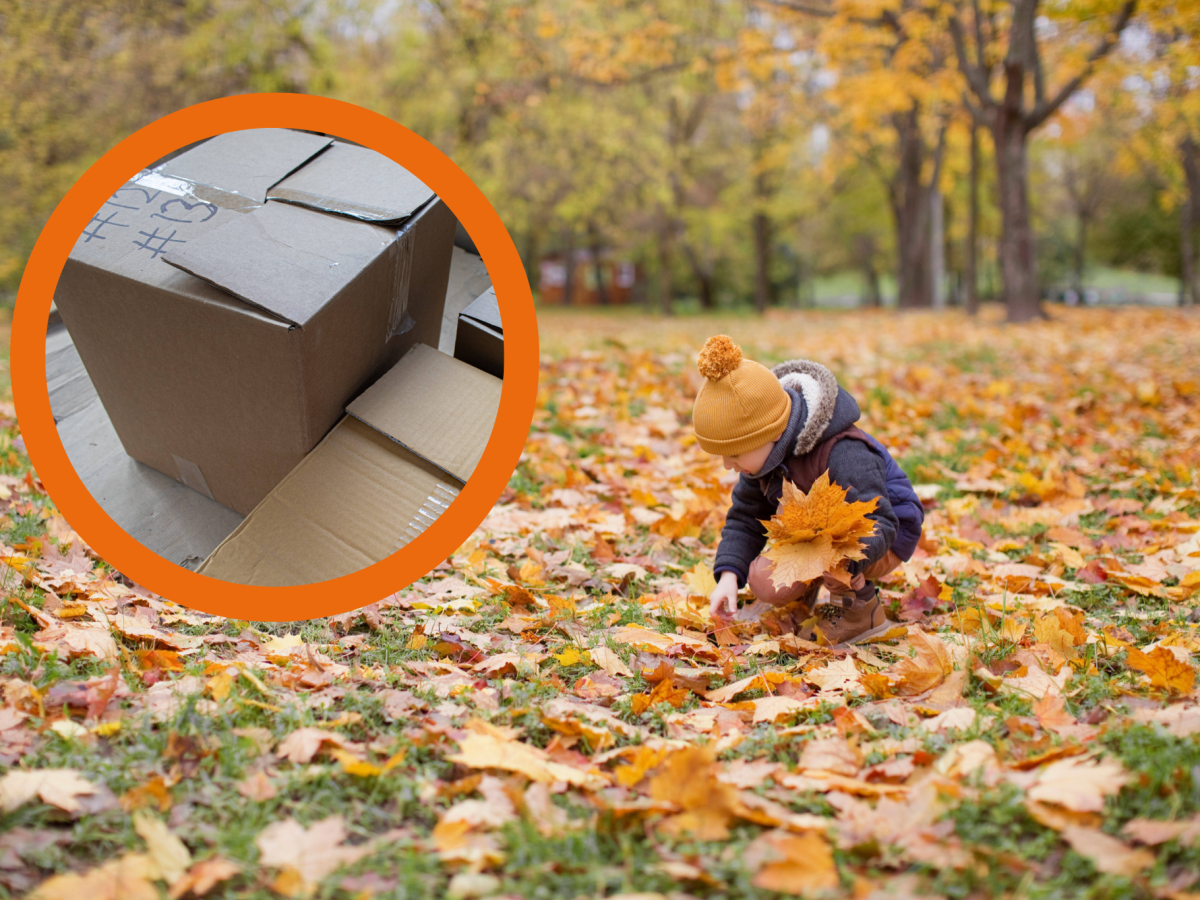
(1042, 111)
(806, 8)
(976, 75)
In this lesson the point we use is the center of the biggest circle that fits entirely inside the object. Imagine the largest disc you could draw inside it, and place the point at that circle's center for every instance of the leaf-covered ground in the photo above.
(552, 713)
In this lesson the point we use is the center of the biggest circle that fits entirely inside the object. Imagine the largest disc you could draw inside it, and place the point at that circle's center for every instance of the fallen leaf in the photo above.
(57, 787)
(927, 669)
(170, 858)
(129, 877)
(791, 863)
(311, 853)
(203, 877)
(1107, 854)
(1163, 669)
(1079, 784)
(688, 778)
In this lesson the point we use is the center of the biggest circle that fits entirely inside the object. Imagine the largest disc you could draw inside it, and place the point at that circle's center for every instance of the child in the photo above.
(795, 422)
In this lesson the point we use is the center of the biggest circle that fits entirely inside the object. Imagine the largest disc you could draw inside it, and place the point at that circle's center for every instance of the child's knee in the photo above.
(764, 589)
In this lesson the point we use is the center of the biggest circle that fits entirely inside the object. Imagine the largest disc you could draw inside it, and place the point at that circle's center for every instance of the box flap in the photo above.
(246, 162)
(485, 309)
(440, 408)
(354, 500)
(284, 259)
(354, 181)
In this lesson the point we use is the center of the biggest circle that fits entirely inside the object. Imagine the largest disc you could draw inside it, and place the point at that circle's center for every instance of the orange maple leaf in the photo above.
(1164, 670)
(815, 532)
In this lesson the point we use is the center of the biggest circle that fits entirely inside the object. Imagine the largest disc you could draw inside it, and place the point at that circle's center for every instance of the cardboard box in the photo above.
(392, 465)
(227, 304)
(480, 337)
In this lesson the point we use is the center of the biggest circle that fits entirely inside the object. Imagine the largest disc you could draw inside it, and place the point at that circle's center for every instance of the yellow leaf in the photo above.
(1163, 668)
(1061, 630)
(801, 561)
(700, 579)
(561, 605)
(644, 759)
(688, 779)
(167, 853)
(352, 765)
(488, 751)
(129, 877)
(928, 668)
(218, 686)
(282, 648)
(569, 657)
(815, 532)
(792, 863)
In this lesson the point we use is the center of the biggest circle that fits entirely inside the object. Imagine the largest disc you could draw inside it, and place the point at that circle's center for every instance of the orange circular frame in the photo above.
(205, 120)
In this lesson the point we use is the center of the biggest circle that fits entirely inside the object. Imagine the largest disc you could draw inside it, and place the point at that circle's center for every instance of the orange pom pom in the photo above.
(718, 357)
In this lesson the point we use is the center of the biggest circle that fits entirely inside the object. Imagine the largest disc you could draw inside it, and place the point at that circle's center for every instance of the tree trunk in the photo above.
(569, 275)
(1185, 252)
(1018, 259)
(865, 247)
(762, 262)
(910, 212)
(594, 246)
(1190, 294)
(530, 258)
(937, 248)
(914, 289)
(704, 278)
(970, 271)
(666, 258)
(1080, 254)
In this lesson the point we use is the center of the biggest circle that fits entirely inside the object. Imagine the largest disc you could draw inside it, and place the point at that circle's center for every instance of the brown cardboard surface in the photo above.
(354, 181)
(479, 339)
(354, 500)
(438, 407)
(217, 387)
(246, 162)
(360, 495)
(284, 259)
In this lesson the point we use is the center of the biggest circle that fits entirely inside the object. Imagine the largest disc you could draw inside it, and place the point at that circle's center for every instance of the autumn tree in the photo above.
(79, 77)
(1021, 64)
(890, 102)
(1163, 94)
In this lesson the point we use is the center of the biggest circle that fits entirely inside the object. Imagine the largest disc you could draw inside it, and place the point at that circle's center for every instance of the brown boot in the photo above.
(845, 619)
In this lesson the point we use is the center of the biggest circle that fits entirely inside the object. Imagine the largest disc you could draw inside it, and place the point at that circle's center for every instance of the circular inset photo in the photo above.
(275, 360)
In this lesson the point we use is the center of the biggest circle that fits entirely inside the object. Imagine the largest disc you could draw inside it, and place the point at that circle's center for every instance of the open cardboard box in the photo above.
(480, 336)
(228, 303)
(385, 473)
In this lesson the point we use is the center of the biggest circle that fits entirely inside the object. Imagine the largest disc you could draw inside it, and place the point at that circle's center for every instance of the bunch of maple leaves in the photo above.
(817, 533)
(562, 670)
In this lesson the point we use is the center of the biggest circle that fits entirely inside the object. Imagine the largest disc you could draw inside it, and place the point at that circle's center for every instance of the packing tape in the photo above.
(190, 474)
(153, 179)
(435, 504)
(399, 321)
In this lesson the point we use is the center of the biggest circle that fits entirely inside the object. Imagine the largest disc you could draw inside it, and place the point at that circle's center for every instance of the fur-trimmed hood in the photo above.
(825, 402)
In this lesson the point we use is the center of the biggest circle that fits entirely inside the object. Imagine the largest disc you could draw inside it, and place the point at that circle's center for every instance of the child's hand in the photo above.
(723, 601)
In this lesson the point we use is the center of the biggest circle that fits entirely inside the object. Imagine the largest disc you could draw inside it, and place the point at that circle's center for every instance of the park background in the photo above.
(552, 712)
(697, 154)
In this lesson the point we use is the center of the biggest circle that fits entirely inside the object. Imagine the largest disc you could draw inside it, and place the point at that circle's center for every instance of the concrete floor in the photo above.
(169, 518)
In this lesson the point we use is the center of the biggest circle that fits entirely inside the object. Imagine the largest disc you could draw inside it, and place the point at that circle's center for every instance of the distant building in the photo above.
(620, 277)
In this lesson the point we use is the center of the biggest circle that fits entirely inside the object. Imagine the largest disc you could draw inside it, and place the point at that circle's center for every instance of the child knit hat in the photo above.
(741, 404)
